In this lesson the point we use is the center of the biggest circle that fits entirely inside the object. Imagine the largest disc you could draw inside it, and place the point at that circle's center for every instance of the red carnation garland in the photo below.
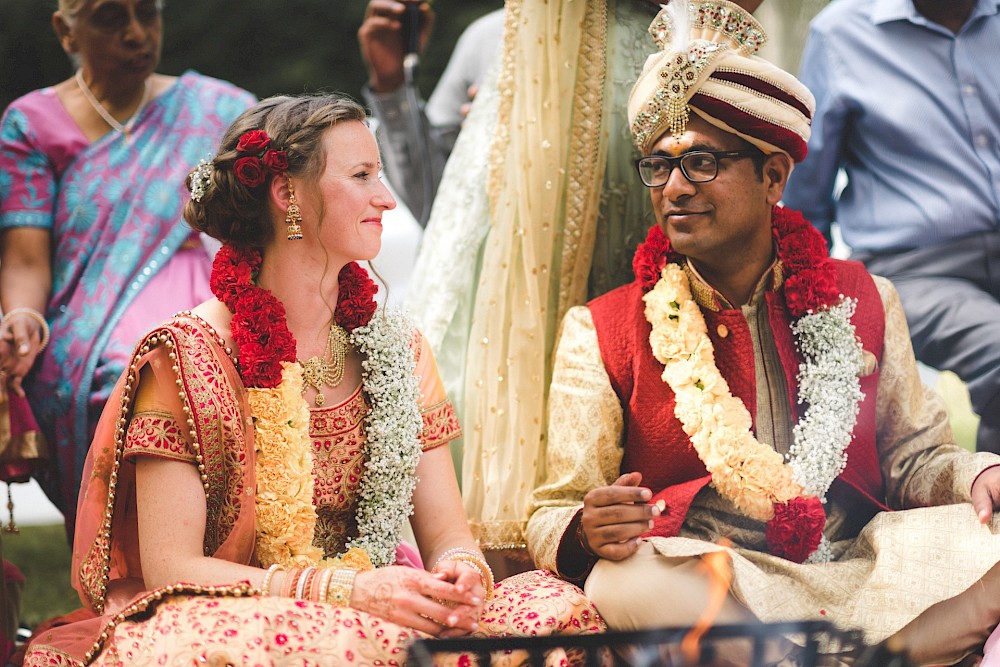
(651, 256)
(355, 297)
(259, 326)
(811, 282)
(810, 285)
(796, 529)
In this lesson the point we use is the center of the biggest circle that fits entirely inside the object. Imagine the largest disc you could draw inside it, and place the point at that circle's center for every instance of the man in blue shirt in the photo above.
(907, 104)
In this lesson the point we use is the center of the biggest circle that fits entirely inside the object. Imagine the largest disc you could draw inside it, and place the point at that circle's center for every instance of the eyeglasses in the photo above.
(697, 166)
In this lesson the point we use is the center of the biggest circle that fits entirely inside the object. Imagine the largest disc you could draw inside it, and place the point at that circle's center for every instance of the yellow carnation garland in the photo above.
(286, 517)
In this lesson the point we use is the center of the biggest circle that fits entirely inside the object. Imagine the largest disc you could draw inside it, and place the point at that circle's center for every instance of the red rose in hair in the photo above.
(276, 161)
(253, 141)
(250, 171)
(355, 298)
(796, 529)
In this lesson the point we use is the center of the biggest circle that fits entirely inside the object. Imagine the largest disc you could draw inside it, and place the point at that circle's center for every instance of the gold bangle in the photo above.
(265, 585)
(456, 550)
(485, 573)
(35, 315)
(341, 586)
(476, 560)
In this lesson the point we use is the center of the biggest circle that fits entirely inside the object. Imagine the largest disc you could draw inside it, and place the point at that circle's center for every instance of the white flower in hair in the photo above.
(200, 179)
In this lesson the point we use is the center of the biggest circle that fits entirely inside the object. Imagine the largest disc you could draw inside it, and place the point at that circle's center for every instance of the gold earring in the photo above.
(293, 216)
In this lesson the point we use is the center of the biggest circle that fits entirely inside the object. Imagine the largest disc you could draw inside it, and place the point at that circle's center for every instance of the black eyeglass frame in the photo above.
(678, 162)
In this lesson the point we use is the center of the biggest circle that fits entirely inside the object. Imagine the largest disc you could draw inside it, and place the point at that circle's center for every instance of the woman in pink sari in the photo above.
(245, 495)
(95, 250)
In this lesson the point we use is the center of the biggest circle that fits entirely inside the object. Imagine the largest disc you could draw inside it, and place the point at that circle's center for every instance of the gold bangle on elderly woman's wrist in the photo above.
(35, 315)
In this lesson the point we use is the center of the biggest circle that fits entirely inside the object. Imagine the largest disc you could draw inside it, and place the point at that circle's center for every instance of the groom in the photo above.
(748, 387)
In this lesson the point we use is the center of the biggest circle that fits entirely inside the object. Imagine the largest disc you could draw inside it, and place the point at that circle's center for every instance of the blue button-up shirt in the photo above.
(911, 112)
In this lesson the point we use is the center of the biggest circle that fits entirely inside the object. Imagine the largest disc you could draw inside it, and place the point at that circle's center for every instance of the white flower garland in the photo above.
(392, 429)
(829, 385)
(751, 474)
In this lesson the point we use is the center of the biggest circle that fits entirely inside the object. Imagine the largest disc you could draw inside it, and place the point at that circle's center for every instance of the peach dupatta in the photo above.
(183, 353)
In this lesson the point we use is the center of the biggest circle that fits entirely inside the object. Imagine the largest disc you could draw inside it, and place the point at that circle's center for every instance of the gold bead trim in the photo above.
(152, 341)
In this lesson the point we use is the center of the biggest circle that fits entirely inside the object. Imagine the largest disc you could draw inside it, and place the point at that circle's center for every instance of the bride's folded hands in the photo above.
(421, 600)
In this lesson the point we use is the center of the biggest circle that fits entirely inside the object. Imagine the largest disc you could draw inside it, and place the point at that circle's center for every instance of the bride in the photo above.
(246, 492)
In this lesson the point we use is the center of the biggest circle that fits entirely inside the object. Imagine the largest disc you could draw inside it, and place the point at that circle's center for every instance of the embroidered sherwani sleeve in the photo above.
(921, 464)
(584, 448)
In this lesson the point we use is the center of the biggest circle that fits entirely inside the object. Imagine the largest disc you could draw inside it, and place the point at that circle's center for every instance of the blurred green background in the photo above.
(265, 46)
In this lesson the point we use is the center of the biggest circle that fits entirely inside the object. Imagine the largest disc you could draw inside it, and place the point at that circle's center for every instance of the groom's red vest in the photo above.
(654, 441)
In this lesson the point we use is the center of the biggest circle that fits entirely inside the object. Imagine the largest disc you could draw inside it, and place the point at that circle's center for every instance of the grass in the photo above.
(43, 556)
(964, 421)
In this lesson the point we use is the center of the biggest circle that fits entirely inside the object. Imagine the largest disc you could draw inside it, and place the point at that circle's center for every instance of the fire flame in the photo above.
(720, 575)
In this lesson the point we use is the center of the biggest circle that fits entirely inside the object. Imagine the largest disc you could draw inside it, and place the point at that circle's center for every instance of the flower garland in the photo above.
(286, 517)
(756, 478)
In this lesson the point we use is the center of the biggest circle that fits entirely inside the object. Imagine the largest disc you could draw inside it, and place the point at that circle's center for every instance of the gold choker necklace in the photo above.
(103, 113)
(327, 370)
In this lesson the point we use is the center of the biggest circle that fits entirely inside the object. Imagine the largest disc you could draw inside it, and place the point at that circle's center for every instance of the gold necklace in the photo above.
(103, 113)
(327, 370)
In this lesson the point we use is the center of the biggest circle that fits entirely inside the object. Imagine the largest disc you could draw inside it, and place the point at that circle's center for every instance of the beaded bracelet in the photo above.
(340, 586)
(35, 315)
(473, 558)
(265, 585)
(457, 550)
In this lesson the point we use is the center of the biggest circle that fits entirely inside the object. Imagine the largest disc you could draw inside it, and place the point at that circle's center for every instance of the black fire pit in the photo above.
(796, 644)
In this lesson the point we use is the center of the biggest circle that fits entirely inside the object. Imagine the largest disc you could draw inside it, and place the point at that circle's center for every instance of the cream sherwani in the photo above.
(884, 573)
